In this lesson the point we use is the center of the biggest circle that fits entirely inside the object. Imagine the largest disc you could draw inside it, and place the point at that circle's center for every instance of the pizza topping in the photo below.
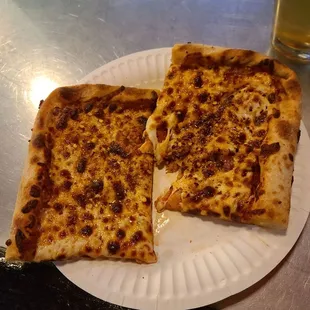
(31, 204)
(66, 185)
(112, 107)
(116, 207)
(58, 207)
(8, 242)
(203, 97)
(72, 219)
(180, 115)
(113, 247)
(35, 191)
(198, 81)
(86, 231)
(115, 148)
(226, 210)
(142, 120)
(119, 190)
(88, 107)
(56, 111)
(32, 221)
(99, 113)
(63, 119)
(207, 192)
(269, 149)
(39, 141)
(271, 97)
(65, 173)
(255, 177)
(137, 236)
(120, 234)
(19, 240)
(276, 113)
(261, 118)
(87, 216)
(291, 157)
(96, 186)
(258, 211)
(80, 199)
(208, 173)
(90, 146)
(267, 65)
(81, 165)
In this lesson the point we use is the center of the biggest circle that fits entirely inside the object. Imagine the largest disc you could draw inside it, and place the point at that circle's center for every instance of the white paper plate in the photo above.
(199, 261)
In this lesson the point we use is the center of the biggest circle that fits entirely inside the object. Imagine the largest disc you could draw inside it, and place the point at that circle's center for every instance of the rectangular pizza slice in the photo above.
(86, 189)
(227, 121)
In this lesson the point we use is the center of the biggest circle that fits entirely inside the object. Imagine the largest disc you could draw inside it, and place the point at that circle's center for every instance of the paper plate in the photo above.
(199, 261)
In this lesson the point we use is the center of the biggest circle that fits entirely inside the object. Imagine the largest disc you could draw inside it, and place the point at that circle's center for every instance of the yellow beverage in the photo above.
(292, 24)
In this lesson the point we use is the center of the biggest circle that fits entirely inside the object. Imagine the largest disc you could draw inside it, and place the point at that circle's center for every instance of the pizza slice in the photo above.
(227, 121)
(86, 189)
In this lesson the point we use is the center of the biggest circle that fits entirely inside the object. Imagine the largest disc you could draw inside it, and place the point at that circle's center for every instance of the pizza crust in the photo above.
(24, 243)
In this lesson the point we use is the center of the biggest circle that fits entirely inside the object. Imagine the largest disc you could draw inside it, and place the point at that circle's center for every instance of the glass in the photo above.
(291, 34)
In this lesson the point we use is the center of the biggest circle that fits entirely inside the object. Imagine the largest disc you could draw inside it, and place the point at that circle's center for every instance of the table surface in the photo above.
(46, 43)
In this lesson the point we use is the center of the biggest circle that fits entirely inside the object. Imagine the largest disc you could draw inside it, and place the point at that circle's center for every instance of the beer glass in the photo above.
(291, 33)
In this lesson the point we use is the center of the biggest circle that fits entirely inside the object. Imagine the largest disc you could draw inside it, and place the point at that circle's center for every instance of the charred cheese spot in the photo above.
(80, 199)
(116, 207)
(20, 240)
(58, 207)
(271, 97)
(119, 190)
(226, 210)
(269, 149)
(35, 191)
(276, 113)
(87, 231)
(96, 186)
(116, 149)
(258, 212)
(203, 97)
(142, 120)
(120, 234)
(291, 157)
(81, 165)
(137, 236)
(39, 141)
(30, 205)
(65, 173)
(66, 185)
(31, 221)
(113, 247)
(88, 107)
(207, 192)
